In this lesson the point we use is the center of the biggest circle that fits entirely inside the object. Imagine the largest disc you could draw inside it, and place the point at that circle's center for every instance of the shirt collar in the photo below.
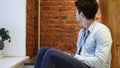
(90, 29)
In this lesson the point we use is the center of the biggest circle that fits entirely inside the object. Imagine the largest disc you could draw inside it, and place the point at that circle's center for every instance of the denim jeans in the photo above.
(53, 58)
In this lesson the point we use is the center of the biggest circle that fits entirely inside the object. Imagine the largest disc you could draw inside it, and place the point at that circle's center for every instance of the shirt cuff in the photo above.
(79, 57)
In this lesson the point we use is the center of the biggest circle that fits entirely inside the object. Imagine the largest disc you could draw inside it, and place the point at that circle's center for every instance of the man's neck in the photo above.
(88, 23)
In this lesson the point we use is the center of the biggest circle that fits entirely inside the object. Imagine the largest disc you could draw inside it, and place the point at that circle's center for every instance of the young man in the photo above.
(93, 45)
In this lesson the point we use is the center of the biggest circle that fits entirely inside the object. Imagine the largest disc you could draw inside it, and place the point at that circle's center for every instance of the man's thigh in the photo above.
(63, 60)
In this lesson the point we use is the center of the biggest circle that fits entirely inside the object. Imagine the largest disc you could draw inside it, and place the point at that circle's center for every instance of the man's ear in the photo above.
(81, 14)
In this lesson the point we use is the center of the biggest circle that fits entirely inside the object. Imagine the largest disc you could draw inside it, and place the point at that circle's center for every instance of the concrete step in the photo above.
(29, 65)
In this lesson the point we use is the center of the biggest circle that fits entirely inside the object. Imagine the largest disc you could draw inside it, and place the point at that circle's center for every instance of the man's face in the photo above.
(78, 17)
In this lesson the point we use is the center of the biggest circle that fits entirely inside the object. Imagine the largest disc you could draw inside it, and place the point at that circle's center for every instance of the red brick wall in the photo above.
(36, 27)
(58, 26)
(32, 28)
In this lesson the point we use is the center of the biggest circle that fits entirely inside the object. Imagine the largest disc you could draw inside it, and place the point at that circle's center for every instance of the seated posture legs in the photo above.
(53, 58)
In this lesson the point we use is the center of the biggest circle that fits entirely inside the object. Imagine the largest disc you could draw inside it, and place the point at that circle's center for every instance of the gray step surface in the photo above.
(29, 65)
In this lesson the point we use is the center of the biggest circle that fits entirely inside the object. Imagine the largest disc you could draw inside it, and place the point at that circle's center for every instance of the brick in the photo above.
(69, 26)
(44, 44)
(61, 9)
(69, 13)
(67, 39)
(42, 39)
(60, 21)
(50, 30)
(49, 21)
(70, 22)
(71, 17)
(49, 3)
(43, 0)
(63, 17)
(48, 8)
(64, 8)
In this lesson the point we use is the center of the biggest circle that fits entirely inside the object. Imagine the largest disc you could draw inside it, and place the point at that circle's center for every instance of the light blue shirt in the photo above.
(95, 47)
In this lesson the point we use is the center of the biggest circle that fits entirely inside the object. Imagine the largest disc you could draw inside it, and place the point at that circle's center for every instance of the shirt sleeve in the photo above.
(102, 52)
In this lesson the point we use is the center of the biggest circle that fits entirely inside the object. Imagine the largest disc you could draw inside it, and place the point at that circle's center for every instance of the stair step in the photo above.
(28, 65)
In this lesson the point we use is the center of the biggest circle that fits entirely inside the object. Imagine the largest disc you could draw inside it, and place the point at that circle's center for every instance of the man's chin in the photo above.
(77, 21)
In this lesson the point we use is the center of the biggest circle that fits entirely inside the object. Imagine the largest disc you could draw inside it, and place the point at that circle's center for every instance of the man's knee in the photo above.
(51, 51)
(43, 49)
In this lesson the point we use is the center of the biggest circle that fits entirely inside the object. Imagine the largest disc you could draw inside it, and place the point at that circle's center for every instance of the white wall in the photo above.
(13, 17)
